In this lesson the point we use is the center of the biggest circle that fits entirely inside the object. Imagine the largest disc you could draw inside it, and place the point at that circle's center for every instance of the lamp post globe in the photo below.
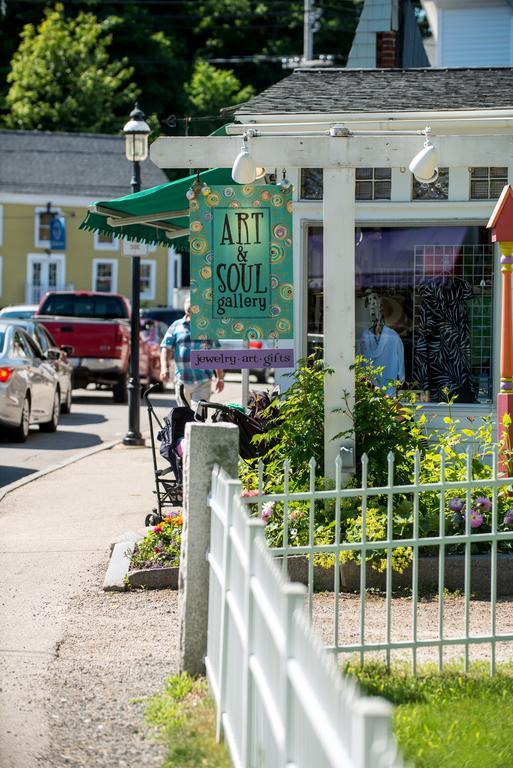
(136, 132)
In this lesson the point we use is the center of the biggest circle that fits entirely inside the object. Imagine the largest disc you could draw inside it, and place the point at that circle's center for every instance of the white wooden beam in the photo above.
(339, 304)
(328, 152)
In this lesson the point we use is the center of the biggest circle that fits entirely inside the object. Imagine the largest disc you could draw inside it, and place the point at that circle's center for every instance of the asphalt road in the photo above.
(94, 419)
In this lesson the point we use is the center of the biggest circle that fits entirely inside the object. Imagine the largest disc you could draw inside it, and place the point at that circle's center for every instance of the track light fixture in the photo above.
(424, 164)
(244, 170)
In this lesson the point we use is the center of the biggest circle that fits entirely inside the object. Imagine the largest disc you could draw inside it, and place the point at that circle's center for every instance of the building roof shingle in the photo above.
(77, 164)
(330, 91)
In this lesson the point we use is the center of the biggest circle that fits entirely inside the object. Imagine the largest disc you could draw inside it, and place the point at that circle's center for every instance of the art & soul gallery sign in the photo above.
(241, 263)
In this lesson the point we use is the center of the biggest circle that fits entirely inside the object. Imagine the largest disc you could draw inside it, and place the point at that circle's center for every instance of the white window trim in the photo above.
(98, 246)
(114, 282)
(37, 242)
(59, 257)
(150, 294)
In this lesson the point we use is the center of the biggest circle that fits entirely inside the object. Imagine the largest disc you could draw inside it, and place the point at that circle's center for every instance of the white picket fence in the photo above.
(435, 640)
(281, 700)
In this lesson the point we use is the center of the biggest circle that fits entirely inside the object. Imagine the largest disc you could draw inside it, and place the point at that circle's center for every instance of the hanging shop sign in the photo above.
(57, 233)
(241, 263)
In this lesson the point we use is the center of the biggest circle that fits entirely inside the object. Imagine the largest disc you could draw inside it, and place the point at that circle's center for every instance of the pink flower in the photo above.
(246, 492)
(476, 518)
(158, 550)
(267, 511)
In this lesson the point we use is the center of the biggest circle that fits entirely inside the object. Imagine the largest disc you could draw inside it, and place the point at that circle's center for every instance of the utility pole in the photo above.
(308, 31)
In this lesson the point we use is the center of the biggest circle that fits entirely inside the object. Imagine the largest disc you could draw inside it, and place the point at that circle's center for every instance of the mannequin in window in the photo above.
(382, 345)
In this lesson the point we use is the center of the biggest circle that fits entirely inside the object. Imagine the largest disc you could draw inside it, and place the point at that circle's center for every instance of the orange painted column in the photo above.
(505, 396)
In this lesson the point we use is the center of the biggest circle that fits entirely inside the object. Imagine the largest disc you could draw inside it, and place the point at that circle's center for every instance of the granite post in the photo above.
(205, 445)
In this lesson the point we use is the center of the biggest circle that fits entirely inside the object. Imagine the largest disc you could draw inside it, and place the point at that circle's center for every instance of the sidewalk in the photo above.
(73, 658)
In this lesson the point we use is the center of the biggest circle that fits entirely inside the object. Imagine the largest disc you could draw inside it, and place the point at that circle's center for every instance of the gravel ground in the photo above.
(323, 614)
(119, 649)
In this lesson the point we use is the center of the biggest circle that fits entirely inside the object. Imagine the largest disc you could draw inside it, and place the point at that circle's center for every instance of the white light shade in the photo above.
(136, 146)
(424, 165)
(244, 169)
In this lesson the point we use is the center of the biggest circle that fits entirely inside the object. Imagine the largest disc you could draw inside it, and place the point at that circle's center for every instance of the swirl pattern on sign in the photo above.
(254, 332)
(198, 245)
(287, 291)
(280, 232)
(213, 199)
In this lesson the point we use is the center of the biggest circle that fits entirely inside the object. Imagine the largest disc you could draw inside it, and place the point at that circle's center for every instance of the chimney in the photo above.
(386, 49)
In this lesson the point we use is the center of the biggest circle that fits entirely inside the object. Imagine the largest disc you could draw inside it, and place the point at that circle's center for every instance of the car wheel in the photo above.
(120, 390)
(51, 426)
(19, 434)
(66, 405)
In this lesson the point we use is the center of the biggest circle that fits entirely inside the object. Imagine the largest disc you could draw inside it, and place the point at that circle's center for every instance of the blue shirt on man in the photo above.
(178, 338)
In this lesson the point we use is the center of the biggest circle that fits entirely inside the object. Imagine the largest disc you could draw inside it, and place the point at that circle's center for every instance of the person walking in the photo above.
(191, 384)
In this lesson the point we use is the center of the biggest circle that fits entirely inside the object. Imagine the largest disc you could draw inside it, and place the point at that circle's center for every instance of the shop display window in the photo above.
(487, 183)
(424, 307)
(370, 184)
(311, 187)
(438, 190)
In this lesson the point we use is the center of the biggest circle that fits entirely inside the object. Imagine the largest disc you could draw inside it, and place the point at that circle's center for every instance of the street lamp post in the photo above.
(136, 132)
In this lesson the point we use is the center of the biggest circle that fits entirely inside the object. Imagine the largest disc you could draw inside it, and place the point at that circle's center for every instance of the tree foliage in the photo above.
(211, 88)
(62, 79)
(171, 51)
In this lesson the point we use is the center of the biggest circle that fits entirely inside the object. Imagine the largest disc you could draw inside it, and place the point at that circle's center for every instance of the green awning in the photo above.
(158, 216)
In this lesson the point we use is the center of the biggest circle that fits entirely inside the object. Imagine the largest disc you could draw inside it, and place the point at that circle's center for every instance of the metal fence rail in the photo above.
(281, 700)
(437, 544)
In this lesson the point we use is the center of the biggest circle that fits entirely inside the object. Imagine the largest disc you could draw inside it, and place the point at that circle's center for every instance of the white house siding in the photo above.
(475, 37)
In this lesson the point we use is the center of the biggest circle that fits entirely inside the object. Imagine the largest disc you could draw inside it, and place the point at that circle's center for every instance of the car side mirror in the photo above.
(67, 349)
(53, 354)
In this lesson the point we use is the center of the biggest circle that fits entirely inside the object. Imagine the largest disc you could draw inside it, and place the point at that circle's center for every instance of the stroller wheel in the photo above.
(151, 520)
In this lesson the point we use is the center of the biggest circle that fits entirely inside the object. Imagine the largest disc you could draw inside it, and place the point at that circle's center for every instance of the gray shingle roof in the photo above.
(308, 91)
(78, 164)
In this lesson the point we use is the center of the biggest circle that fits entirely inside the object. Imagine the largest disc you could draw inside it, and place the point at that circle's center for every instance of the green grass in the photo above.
(448, 720)
(183, 717)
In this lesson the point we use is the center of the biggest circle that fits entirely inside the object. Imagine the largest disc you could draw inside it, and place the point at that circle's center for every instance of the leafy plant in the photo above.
(183, 716)
(160, 548)
(383, 423)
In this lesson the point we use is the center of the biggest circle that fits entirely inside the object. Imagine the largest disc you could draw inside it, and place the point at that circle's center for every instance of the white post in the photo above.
(339, 303)
(205, 445)
(372, 731)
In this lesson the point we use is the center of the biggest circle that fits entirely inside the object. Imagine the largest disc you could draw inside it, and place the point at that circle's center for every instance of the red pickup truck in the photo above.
(97, 326)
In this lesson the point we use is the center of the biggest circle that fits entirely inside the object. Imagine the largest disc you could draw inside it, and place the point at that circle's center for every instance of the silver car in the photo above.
(29, 386)
(56, 356)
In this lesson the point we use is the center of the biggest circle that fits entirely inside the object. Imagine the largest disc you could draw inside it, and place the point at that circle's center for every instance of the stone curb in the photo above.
(42, 472)
(154, 578)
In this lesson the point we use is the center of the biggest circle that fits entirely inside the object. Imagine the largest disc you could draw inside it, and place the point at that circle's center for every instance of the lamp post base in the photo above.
(134, 438)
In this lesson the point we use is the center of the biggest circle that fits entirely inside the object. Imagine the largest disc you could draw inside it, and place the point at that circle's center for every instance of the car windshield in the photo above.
(18, 313)
(105, 307)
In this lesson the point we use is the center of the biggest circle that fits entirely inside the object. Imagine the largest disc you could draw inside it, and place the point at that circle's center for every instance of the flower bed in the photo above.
(156, 559)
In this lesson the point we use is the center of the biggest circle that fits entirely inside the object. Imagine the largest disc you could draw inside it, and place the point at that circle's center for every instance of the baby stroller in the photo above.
(168, 481)
(249, 423)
